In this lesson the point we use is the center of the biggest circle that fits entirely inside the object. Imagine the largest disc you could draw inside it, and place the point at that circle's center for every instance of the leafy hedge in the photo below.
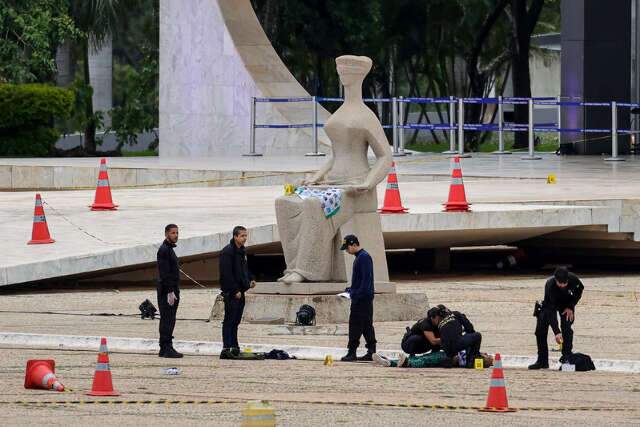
(27, 118)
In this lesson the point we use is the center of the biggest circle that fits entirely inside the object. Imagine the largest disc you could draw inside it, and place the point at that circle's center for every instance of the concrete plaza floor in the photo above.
(499, 306)
(89, 241)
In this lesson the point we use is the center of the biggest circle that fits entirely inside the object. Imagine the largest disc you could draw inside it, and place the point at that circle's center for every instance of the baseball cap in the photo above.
(349, 240)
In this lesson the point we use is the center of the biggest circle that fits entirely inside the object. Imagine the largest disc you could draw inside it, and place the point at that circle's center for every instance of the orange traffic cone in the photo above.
(497, 398)
(103, 201)
(40, 230)
(102, 385)
(457, 199)
(392, 202)
(41, 374)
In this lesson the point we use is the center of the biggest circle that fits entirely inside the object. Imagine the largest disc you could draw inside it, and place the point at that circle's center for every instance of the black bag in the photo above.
(582, 362)
(278, 355)
(306, 316)
(147, 310)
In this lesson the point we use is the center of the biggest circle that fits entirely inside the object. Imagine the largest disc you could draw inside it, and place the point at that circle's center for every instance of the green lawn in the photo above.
(146, 153)
(549, 143)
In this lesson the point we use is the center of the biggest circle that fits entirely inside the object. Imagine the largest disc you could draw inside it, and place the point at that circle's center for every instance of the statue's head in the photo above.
(353, 69)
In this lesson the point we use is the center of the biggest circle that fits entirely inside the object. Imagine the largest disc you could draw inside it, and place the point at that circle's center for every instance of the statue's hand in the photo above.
(354, 189)
(360, 188)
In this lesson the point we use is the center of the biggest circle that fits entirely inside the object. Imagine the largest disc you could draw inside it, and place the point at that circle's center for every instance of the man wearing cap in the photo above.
(361, 292)
(561, 294)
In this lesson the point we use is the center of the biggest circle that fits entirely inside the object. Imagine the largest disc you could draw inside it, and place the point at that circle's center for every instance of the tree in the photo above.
(523, 22)
(97, 20)
(30, 31)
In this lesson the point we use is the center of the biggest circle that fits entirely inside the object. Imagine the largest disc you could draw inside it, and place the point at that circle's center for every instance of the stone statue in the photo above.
(344, 186)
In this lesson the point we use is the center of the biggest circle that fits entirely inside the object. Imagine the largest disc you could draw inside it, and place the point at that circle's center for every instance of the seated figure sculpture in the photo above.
(345, 185)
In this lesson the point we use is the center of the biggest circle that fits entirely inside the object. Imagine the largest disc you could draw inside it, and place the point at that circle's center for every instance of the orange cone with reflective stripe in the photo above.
(103, 201)
(457, 198)
(497, 398)
(392, 202)
(102, 384)
(40, 374)
(40, 231)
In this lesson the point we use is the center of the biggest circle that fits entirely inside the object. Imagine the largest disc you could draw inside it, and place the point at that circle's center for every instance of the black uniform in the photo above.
(414, 341)
(234, 278)
(452, 339)
(169, 279)
(556, 300)
(361, 314)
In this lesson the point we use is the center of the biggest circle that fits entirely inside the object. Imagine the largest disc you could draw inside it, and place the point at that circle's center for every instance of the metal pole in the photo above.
(501, 149)
(401, 151)
(461, 152)
(314, 130)
(452, 131)
(252, 131)
(559, 119)
(531, 155)
(394, 124)
(614, 134)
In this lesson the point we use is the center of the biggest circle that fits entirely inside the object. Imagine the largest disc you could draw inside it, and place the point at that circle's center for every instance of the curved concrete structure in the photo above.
(214, 56)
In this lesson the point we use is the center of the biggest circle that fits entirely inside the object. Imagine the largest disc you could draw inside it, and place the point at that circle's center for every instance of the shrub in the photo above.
(28, 114)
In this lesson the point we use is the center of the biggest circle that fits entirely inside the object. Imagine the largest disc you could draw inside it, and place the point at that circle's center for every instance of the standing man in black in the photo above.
(561, 294)
(361, 292)
(235, 280)
(168, 291)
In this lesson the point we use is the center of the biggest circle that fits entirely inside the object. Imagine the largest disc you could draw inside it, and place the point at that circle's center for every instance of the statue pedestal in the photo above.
(313, 288)
(277, 308)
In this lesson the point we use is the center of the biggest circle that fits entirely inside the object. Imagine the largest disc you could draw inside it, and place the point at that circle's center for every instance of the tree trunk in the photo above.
(90, 129)
(521, 89)
(523, 24)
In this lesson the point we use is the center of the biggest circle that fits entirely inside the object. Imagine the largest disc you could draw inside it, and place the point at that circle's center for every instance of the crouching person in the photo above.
(422, 337)
(456, 334)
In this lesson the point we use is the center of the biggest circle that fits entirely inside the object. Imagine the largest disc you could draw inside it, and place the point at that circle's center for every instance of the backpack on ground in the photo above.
(582, 362)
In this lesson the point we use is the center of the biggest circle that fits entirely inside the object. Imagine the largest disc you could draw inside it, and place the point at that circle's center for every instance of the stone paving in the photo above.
(499, 306)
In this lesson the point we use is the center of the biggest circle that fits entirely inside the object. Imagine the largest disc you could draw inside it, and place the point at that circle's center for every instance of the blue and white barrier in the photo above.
(456, 126)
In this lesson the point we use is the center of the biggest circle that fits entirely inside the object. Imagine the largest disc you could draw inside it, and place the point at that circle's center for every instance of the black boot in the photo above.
(366, 358)
(171, 353)
(230, 353)
(539, 365)
(349, 357)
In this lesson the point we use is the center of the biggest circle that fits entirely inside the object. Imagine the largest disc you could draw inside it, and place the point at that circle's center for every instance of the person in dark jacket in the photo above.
(422, 337)
(561, 294)
(361, 293)
(235, 280)
(168, 291)
(456, 334)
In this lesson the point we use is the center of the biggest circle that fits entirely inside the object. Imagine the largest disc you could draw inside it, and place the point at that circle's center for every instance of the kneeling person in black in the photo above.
(422, 337)
(451, 325)
(235, 280)
(561, 294)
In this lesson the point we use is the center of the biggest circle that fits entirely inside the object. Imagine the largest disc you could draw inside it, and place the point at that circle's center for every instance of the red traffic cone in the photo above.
(497, 398)
(40, 230)
(392, 202)
(40, 374)
(457, 199)
(102, 384)
(103, 201)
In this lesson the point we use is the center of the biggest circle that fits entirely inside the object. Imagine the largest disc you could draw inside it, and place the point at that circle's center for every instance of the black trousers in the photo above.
(469, 342)
(167, 319)
(233, 309)
(542, 330)
(417, 344)
(361, 323)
